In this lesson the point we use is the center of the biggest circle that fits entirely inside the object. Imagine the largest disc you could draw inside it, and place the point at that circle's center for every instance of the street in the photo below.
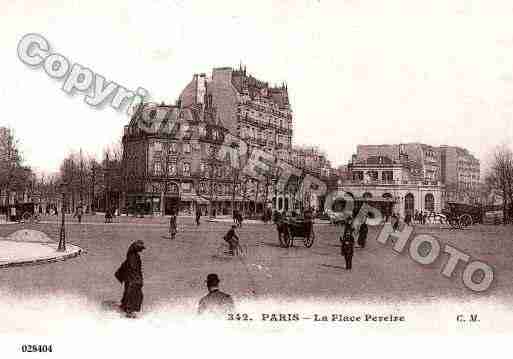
(175, 271)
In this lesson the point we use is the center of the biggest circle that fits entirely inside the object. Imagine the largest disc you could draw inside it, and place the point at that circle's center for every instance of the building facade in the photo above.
(460, 172)
(164, 171)
(260, 115)
(393, 186)
(455, 167)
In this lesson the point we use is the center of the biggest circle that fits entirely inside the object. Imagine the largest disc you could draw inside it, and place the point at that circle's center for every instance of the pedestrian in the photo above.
(215, 303)
(240, 219)
(395, 222)
(130, 274)
(407, 219)
(172, 225)
(79, 214)
(198, 216)
(347, 248)
(362, 233)
(232, 239)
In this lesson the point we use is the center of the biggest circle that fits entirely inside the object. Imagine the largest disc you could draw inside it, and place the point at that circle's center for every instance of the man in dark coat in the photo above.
(198, 216)
(215, 302)
(362, 234)
(172, 225)
(395, 222)
(347, 249)
(79, 213)
(130, 273)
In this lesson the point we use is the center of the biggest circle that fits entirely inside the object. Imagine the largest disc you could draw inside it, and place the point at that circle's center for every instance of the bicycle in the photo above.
(224, 250)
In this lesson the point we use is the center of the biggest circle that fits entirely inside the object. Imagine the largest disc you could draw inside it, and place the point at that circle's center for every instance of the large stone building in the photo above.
(427, 158)
(165, 171)
(456, 168)
(249, 108)
(258, 114)
(393, 185)
(460, 172)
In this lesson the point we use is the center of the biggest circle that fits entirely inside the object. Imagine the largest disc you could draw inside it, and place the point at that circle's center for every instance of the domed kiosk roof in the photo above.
(30, 235)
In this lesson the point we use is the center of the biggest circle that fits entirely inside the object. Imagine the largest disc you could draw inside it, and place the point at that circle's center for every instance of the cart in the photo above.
(462, 215)
(25, 213)
(291, 228)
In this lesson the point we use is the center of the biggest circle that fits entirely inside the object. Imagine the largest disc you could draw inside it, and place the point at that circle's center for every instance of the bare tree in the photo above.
(500, 178)
(14, 177)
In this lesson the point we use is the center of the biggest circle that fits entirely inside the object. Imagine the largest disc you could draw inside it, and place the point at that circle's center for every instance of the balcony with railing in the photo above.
(378, 182)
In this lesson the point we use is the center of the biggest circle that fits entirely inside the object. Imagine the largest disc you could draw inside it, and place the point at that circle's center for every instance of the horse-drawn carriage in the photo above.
(23, 212)
(291, 227)
(462, 215)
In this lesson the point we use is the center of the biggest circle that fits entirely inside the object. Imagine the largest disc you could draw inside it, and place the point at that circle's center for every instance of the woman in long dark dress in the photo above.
(130, 273)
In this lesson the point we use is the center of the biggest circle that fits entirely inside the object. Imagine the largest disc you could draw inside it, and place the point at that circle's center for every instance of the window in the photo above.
(172, 147)
(186, 169)
(157, 168)
(187, 148)
(172, 169)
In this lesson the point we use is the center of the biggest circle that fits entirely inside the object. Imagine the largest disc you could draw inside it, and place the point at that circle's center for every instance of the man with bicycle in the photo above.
(232, 239)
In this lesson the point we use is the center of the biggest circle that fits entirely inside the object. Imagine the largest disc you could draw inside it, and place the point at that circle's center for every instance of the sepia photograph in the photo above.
(241, 178)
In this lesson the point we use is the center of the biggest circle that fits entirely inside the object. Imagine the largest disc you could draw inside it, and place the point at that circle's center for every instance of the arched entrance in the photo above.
(429, 202)
(367, 195)
(387, 207)
(409, 204)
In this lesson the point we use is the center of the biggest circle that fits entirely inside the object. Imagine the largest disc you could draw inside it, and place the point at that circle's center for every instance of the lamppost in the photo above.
(62, 234)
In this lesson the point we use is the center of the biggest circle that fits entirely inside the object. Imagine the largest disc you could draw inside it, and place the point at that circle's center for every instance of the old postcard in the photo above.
(242, 178)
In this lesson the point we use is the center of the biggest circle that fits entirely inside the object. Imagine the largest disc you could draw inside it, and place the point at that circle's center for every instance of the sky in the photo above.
(358, 72)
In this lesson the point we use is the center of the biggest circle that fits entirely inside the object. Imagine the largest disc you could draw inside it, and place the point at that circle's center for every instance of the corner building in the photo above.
(260, 115)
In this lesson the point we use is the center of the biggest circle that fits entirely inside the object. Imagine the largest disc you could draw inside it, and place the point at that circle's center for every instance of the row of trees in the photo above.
(15, 177)
(89, 182)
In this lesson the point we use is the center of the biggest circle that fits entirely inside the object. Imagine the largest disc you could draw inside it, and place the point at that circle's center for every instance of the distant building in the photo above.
(460, 172)
(393, 185)
(425, 156)
(456, 168)
(4, 144)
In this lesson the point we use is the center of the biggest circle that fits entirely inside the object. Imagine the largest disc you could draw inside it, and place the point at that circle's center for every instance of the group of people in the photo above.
(131, 276)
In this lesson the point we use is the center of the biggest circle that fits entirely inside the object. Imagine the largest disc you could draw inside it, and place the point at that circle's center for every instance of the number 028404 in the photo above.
(36, 348)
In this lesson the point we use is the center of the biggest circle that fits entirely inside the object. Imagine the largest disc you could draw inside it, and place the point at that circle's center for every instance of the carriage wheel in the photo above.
(310, 239)
(287, 238)
(26, 216)
(283, 235)
(454, 223)
(465, 221)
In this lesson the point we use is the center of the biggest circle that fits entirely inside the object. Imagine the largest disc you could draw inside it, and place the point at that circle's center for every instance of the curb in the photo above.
(62, 258)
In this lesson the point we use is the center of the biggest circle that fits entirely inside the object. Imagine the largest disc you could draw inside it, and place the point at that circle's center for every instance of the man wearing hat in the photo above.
(347, 243)
(215, 302)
